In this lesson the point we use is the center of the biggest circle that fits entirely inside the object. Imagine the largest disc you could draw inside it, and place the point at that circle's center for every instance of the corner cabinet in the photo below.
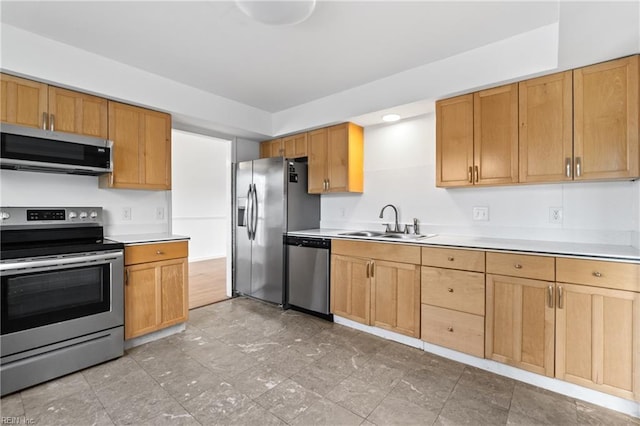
(33, 104)
(377, 284)
(336, 156)
(142, 148)
(156, 287)
(477, 138)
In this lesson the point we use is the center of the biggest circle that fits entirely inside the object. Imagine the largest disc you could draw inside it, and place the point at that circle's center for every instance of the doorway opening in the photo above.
(200, 200)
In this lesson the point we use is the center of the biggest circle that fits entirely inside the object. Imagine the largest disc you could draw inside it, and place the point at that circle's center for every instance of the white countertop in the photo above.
(145, 238)
(606, 251)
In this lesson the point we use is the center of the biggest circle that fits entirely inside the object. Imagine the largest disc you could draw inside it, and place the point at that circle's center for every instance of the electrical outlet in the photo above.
(481, 213)
(555, 214)
(126, 213)
(159, 213)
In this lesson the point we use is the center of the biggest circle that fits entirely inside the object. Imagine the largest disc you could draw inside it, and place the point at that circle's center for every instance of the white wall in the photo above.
(31, 189)
(201, 182)
(400, 169)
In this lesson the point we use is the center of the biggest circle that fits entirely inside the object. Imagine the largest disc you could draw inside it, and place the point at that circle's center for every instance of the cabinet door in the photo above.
(317, 146)
(495, 135)
(519, 327)
(23, 102)
(156, 149)
(75, 112)
(338, 158)
(295, 146)
(276, 148)
(598, 339)
(124, 130)
(265, 149)
(454, 141)
(546, 128)
(141, 297)
(395, 297)
(174, 303)
(350, 288)
(606, 120)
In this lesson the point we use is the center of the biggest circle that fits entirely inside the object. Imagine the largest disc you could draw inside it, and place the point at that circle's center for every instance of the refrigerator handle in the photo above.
(254, 212)
(247, 213)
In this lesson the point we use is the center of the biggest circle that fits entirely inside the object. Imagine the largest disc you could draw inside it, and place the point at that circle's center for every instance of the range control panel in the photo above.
(39, 216)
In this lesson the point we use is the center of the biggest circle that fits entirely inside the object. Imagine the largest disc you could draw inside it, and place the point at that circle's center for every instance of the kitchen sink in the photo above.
(363, 234)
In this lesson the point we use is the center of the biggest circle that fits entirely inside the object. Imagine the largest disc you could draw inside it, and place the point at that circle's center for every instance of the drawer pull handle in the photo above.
(450, 259)
(450, 290)
(517, 266)
(450, 329)
(597, 274)
(159, 252)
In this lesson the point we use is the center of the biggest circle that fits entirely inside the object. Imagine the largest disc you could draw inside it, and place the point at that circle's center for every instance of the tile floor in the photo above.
(245, 362)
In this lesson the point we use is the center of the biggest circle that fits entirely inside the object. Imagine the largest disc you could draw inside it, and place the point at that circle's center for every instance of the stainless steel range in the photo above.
(61, 301)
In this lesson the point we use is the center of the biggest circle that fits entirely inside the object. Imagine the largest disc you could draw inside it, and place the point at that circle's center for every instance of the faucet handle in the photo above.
(416, 226)
(407, 228)
(387, 227)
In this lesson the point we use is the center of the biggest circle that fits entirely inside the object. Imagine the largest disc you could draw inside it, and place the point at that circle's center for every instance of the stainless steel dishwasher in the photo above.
(308, 275)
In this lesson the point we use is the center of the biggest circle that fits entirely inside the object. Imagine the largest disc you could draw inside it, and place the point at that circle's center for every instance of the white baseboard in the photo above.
(200, 259)
(622, 405)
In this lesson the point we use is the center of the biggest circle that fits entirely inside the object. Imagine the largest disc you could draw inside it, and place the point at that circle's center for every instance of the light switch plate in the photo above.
(481, 213)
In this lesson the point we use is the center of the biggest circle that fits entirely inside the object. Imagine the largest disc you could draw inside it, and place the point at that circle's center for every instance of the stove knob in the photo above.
(73, 215)
(83, 215)
(5, 215)
(93, 214)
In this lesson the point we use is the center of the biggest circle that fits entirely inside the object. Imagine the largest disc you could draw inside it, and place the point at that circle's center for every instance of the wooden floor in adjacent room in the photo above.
(207, 282)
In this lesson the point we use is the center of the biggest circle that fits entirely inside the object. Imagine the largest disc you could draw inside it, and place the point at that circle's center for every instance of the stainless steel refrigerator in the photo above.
(270, 199)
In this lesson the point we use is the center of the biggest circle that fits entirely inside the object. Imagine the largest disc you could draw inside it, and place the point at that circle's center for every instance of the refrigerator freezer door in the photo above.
(267, 250)
(244, 179)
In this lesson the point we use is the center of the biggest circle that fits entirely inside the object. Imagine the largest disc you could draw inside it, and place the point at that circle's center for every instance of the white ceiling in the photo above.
(212, 46)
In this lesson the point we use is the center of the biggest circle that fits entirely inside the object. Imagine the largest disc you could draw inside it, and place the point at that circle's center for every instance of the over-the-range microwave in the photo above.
(26, 148)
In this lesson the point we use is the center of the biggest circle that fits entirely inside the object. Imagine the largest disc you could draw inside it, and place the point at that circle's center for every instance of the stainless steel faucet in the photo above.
(397, 226)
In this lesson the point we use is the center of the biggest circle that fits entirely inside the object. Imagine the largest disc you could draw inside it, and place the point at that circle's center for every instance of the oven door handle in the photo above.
(76, 260)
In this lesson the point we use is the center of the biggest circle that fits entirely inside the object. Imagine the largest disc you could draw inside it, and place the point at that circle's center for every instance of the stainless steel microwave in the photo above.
(26, 148)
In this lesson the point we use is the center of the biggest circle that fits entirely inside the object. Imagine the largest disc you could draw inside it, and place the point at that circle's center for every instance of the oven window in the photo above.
(41, 298)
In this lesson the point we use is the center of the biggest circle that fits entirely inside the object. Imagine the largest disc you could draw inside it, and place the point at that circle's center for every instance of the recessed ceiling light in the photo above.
(277, 13)
(390, 117)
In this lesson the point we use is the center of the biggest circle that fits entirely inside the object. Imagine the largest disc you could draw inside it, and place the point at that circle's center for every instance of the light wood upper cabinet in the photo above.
(477, 138)
(546, 128)
(495, 135)
(23, 102)
(336, 159)
(295, 146)
(454, 141)
(142, 148)
(598, 339)
(606, 103)
(156, 291)
(272, 148)
(75, 112)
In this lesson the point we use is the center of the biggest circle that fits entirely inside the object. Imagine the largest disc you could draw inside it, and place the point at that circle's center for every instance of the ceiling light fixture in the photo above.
(390, 117)
(277, 13)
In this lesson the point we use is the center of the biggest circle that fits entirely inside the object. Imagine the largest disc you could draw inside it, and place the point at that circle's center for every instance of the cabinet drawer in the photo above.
(467, 260)
(459, 290)
(521, 265)
(452, 329)
(621, 276)
(402, 253)
(143, 253)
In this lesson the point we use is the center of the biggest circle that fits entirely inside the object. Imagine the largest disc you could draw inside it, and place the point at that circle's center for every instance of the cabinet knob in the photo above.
(517, 266)
(597, 274)
(450, 259)
(158, 252)
(450, 290)
(450, 329)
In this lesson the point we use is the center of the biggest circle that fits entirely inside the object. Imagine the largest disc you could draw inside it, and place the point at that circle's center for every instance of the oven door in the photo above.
(49, 300)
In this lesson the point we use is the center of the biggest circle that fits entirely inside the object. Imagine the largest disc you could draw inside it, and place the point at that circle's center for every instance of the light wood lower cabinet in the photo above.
(378, 291)
(598, 339)
(156, 291)
(520, 323)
